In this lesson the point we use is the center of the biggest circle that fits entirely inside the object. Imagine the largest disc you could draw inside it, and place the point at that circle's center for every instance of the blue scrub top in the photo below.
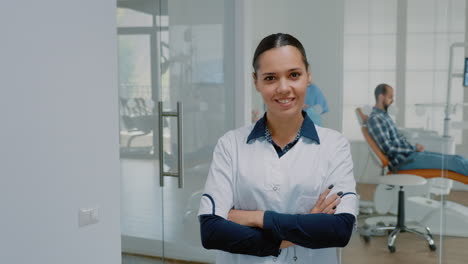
(315, 97)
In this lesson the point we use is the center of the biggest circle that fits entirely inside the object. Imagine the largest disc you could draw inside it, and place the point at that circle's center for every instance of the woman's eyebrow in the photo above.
(290, 70)
(268, 73)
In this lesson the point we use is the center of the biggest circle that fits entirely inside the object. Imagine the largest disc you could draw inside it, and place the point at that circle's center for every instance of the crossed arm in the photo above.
(264, 233)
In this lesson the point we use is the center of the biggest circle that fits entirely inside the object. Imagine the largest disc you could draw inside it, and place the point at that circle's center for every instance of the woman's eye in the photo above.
(295, 75)
(269, 78)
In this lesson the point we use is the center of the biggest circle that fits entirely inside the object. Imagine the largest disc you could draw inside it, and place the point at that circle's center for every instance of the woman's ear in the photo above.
(309, 77)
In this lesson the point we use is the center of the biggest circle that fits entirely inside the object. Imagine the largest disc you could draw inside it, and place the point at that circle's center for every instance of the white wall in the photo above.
(319, 26)
(59, 131)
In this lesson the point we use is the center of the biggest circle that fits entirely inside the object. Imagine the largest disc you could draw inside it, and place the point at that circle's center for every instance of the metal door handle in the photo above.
(180, 164)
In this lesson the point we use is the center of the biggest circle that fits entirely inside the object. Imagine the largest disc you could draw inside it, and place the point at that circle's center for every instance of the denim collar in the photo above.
(307, 129)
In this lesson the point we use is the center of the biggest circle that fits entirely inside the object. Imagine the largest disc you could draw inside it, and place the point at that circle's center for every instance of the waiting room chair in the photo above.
(137, 117)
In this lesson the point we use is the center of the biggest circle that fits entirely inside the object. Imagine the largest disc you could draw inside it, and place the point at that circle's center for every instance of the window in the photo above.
(370, 54)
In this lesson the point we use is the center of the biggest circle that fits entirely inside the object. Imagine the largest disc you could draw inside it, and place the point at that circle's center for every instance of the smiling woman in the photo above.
(281, 76)
(269, 189)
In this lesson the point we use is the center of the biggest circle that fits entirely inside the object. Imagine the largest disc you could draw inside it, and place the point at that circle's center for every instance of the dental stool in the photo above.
(401, 180)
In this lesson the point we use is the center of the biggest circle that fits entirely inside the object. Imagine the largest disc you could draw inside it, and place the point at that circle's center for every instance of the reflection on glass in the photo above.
(135, 96)
(442, 203)
(141, 196)
(195, 76)
(169, 52)
(136, 13)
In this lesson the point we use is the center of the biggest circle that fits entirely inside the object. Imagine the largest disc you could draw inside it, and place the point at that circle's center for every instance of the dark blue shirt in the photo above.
(260, 130)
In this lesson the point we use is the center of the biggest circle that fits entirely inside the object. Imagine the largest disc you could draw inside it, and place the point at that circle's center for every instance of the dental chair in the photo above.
(383, 160)
(423, 210)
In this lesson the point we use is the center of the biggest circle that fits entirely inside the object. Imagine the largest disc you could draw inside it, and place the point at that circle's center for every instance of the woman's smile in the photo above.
(285, 102)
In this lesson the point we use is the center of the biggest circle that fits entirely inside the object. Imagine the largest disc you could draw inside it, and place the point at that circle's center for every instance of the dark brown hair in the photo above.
(275, 41)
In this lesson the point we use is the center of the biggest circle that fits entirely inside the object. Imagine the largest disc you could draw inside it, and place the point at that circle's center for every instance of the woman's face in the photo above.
(282, 79)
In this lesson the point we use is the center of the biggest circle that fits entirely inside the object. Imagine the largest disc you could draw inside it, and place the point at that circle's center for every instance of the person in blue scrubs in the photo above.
(315, 104)
(281, 190)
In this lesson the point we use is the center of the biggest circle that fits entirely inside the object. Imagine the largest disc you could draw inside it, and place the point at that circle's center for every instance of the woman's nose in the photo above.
(283, 86)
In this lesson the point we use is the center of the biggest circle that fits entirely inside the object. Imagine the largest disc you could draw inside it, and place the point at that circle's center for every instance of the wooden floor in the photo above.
(140, 259)
(410, 248)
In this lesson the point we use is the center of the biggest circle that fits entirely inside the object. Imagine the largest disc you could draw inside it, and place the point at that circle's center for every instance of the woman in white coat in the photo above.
(281, 190)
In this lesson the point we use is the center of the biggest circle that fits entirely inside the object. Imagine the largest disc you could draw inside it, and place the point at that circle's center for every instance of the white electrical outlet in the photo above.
(88, 216)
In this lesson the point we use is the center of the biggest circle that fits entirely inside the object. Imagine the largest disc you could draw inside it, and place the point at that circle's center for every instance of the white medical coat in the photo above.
(251, 176)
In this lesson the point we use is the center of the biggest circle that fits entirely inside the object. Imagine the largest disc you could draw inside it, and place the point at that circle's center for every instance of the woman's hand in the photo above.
(327, 205)
(255, 218)
(285, 244)
(323, 205)
(246, 218)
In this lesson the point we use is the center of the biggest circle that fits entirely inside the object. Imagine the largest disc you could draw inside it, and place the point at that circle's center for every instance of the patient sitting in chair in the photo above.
(401, 154)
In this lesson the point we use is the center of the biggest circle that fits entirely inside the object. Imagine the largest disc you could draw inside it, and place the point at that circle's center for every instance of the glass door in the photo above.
(141, 194)
(176, 100)
(197, 78)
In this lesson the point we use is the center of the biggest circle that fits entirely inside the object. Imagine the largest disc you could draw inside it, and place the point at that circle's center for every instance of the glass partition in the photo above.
(142, 231)
(406, 44)
(422, 70)
(181, 51)
(176, 99)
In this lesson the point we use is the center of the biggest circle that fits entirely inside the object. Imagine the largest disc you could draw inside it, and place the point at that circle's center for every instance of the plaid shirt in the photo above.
(384, 131)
